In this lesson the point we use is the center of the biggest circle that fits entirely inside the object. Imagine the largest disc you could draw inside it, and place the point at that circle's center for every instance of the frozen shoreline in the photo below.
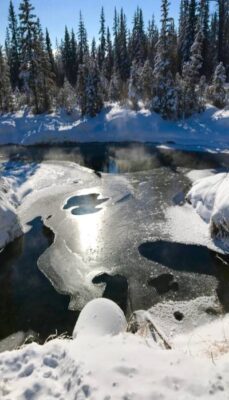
(113, 365)
(9, 222)
(203, 132)
(209, 196)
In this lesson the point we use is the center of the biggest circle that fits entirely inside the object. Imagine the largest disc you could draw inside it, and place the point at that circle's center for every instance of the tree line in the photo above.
(171, 70)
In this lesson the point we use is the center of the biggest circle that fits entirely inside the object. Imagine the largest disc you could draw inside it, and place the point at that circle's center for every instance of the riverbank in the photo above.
(123, 366)
(207, 131)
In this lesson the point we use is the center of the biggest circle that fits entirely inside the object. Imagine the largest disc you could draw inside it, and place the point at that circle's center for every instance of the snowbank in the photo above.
(206, 131)
(210, 197)
(124, 366)
(9, 224)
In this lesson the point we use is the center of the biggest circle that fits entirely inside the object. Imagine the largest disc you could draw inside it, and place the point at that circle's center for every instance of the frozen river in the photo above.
(103, 230)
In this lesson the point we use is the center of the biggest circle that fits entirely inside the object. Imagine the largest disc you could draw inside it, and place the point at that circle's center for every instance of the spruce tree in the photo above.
(146, 82)
(138, 39)
(60, 74)
(44, 78)
(134, 89)
(122, 56)
(152, 39)
(115, 34)
(102, 40)
(67, 56)
(94, 99)
(82, 87)
(13, 47)
(223, 33)
(6, 100)
(93, 49)
(217, 92)
(183, 48)
(109, 61)
(67, 97)
(222, 15)
(213, 44)
(203, 21)
(164, 101)
(50, 53)
(82, 41)
(28, 70)
(191, 76)
(114, 93)
(191, 25)
(74, 59)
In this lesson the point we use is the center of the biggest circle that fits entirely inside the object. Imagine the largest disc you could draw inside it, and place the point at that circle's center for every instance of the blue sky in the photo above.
(55, 14)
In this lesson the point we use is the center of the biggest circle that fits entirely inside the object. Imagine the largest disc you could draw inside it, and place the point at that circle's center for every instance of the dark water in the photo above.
(191, 259)
(28, 301)
(116, 288)
(85, 204)
(113, 157)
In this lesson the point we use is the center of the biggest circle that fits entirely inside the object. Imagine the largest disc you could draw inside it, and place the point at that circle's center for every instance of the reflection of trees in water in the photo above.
(126, 157)
(222, 274)
(7, 270)
(28, 301)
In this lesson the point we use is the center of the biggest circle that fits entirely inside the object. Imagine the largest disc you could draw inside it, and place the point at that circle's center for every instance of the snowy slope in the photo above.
(210, 197)
(9, 223)
(121, 366)
(117, 124)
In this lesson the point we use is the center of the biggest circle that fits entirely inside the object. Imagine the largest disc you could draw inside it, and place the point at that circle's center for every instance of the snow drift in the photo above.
(210, 197)
(9, 224)
(117, 123)
(121, 366)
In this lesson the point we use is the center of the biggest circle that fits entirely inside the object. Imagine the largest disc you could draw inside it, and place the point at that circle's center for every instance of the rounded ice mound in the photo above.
(100, 317)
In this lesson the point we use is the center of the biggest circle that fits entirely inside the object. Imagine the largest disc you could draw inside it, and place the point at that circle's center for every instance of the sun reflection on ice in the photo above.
(89, 229)
(87, 210)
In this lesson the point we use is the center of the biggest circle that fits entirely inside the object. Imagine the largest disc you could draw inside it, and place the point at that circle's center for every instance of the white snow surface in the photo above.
(207, 131)
(108, 319)
(210, 198)
(122, 366)
(10, 227)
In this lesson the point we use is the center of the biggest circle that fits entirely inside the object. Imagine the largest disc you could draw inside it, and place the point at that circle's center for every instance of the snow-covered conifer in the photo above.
(114, 93)
(146, 82)
(134, 87)
(13, 47)
(67, 97)
(217, 92)
(164, 100)
(6, 100)
(94, 98)
(191, 76)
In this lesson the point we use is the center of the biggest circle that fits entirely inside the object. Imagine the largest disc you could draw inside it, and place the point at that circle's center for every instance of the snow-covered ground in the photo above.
(9, 224)
(207, 131)
(112, 365)
(210, 197)
(20, 182)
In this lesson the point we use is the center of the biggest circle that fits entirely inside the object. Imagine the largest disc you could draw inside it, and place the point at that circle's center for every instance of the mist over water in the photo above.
(116, 158)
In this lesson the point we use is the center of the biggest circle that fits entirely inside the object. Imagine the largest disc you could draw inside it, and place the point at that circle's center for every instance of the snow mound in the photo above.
(210, 197)
(100, 317)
